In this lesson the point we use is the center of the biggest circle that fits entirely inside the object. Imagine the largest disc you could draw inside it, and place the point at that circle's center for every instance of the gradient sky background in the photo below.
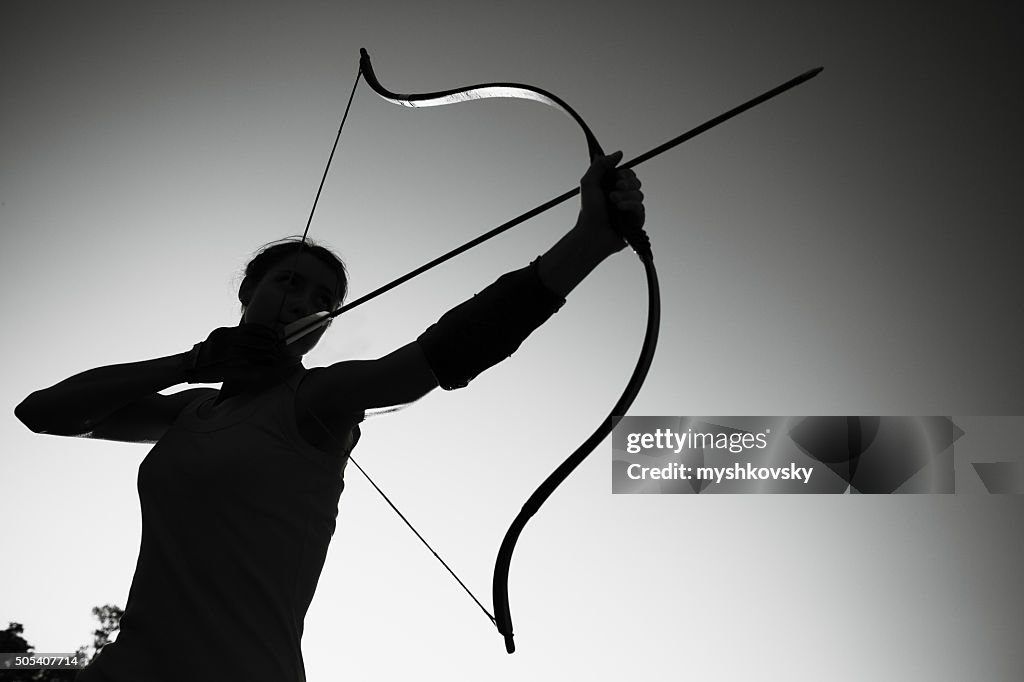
(850, 248)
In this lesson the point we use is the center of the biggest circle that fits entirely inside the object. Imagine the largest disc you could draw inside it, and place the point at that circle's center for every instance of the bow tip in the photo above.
(510, 645)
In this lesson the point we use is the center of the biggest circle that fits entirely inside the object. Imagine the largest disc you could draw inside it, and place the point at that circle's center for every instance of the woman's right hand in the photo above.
(233, 353)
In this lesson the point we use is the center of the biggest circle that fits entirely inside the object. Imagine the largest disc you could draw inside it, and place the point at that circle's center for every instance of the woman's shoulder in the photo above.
(325, 424)
(328, 391)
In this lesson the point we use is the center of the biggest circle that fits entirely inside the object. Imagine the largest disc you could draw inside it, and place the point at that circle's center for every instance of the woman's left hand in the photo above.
(611, 204)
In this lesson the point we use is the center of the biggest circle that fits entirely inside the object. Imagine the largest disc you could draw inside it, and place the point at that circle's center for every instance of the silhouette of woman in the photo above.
(240, 492)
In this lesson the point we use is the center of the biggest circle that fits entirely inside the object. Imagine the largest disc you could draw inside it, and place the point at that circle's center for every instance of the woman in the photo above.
(239, 495)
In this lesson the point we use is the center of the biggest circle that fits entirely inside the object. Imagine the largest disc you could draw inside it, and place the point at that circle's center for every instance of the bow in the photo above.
(638, 240)
(640, 244)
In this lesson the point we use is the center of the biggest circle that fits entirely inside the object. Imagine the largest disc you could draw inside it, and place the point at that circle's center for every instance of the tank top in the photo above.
(238, 511)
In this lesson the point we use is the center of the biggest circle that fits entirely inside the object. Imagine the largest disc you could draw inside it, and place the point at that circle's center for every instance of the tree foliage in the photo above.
(12, 642)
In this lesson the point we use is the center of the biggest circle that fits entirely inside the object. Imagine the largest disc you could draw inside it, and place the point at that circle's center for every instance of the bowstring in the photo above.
(328, 431)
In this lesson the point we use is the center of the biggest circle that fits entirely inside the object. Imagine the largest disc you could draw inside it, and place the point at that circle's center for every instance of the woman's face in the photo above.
(293, 289)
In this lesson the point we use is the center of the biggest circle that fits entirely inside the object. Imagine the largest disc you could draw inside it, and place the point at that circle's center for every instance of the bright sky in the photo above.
(849, 248)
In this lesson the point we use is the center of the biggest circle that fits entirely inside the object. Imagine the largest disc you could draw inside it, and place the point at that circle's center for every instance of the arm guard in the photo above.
(487, 328)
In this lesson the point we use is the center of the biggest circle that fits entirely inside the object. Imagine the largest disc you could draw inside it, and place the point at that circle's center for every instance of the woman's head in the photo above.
(288, 280)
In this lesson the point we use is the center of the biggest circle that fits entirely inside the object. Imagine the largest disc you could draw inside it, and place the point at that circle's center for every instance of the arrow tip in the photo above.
(804, 77)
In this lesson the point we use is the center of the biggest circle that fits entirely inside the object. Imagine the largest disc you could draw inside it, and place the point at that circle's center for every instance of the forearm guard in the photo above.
(487, 328)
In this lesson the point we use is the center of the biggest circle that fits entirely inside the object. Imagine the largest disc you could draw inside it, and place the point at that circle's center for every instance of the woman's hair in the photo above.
(285, 250)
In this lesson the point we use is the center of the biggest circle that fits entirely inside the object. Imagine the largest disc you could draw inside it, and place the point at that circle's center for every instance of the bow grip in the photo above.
(636, 238)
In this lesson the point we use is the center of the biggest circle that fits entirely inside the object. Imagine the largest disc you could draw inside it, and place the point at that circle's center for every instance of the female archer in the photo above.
(240, 492)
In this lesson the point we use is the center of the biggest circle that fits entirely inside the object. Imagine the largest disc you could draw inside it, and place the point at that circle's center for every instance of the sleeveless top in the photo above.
(237, 513)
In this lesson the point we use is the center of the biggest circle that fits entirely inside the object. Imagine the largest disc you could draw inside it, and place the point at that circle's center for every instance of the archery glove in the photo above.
(234, 352)
(487, 328)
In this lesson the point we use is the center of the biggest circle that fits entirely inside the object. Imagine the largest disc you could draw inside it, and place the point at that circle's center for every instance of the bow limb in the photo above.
(473, 92)
(503, 562)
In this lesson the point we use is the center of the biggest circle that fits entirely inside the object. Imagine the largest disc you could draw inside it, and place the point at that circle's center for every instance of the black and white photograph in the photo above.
(319, 317)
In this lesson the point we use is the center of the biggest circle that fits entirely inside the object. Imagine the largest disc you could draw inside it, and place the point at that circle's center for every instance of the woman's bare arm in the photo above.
(354, 386)
(79, 404)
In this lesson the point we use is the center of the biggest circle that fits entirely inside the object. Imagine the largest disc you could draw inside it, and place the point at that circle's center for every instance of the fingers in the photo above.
(258, 334)
(626, 179)
(247, 343)
(609, 160)
(600, 167)
(612, 197)
(627, 201)
(603, 167)
(261, 345)
(257, 339)
(626, 195)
